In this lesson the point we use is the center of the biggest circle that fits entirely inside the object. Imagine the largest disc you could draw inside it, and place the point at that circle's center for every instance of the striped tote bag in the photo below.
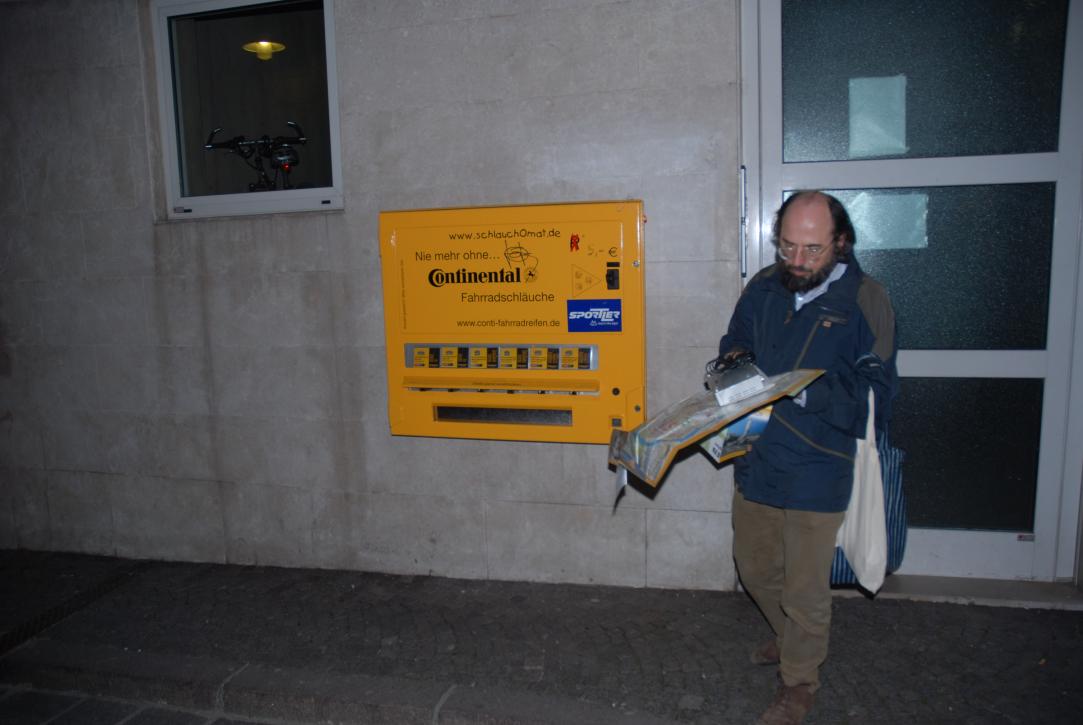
(891, 460)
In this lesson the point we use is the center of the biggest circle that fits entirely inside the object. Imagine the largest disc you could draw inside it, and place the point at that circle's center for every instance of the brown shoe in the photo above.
(766, 654)
(790, 706)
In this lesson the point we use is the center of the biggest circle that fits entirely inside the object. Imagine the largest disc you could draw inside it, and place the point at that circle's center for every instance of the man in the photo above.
(814, 308)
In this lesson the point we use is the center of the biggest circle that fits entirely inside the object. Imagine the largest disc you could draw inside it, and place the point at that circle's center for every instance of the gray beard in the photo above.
(799, 285)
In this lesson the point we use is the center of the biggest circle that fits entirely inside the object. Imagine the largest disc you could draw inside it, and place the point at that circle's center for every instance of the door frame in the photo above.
(1055, 551)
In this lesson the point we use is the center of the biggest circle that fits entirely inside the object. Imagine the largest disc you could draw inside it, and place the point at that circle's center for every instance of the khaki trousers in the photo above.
(784, 560)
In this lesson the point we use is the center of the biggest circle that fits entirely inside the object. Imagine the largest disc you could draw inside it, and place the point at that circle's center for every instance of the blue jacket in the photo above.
(804, 458)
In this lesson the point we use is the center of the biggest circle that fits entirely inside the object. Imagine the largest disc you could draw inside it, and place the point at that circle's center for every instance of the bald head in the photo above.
(841, 226)
(812, 232)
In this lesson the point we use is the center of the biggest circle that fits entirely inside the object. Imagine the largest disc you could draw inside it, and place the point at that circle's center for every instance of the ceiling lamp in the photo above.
(264, 49)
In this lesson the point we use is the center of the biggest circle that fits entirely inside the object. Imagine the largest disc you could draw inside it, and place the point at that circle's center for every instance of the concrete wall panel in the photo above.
(362, 389)
(58, 376)
(400, 534)
(178, 309)
(128, 376)
(64, 176)
(543, 55)
(267, 525)
(675, 229)
(266, 381)
(94, 311)
(21, 440)
(580, 544)
(81, 512)
(181, 446)
(20, 316)
(353, 244)
(178, 249)
(683, 374)
(685, 309)
(374, 15)
(283, 309)
(358, 308)
(586, 466)
(24, 509)
(687, 41)
(306, 454)
(42, 246)
(31, 31)
(43, 94)
(415, 466)
(118, 242)
(77, 440)
(236, 366)
(121, 116)
(689, 549)
(153, 379)
(171, 519)
(263, 245)
(693, 483)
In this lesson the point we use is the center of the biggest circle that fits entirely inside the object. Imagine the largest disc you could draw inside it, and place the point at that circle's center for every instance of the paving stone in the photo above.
(122, 672)
(40, 588)
(96, 712)
(34, 708)
(296, 645)
(162, 716)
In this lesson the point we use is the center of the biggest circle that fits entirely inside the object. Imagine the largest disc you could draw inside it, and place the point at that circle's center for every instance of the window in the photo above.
(248, 106)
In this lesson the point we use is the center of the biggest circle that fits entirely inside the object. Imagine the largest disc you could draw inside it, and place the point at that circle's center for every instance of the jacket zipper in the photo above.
(808, 341)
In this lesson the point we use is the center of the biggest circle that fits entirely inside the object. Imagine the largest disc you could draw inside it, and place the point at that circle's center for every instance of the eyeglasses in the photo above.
(788, 251)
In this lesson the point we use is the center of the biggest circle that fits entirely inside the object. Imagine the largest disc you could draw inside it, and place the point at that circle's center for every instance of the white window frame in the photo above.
(283, 200)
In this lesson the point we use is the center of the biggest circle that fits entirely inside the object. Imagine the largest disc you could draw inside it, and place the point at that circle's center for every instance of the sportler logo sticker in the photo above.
(594, 316)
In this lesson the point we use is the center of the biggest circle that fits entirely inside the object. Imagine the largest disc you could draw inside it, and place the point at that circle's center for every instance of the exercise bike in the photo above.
(278, 152)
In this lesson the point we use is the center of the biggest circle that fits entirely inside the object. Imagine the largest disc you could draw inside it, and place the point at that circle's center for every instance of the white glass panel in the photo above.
(967, 267)
(933, 78)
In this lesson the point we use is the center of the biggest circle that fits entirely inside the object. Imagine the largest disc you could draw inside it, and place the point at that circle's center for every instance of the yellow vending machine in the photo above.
(515, 322)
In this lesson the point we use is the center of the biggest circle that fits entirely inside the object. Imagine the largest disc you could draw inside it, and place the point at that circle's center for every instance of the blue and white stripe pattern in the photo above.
(891, 460)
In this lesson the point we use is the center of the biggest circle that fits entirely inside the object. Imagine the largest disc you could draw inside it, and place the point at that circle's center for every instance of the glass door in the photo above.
(952, 132)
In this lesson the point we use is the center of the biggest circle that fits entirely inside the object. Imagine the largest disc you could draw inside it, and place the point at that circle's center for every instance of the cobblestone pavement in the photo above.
(36, 707)
(113, 641)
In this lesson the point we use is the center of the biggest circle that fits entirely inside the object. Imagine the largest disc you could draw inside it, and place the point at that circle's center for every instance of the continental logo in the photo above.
(440, 277)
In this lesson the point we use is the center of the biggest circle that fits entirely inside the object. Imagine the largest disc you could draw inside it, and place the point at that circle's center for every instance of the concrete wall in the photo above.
(215, 391)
